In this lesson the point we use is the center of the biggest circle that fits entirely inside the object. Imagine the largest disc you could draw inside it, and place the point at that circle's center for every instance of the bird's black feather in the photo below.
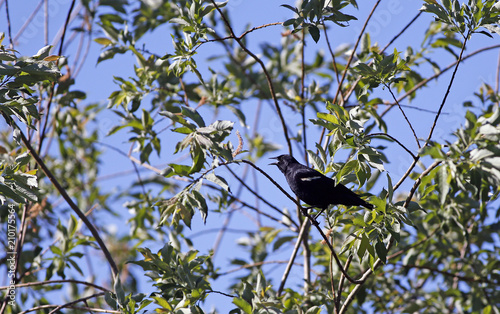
(315, 189)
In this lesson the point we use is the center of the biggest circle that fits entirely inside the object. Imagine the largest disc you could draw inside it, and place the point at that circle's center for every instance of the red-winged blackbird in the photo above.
(314, 188)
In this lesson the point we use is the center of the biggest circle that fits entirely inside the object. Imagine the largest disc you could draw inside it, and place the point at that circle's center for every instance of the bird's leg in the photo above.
(320, 212)
(306, 213)
(305, 210)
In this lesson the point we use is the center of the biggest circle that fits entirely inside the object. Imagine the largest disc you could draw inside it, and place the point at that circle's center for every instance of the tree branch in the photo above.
(344, 73)
(266, 73)
(68, 200)
(291, 261)
(46, 282)
(404, 115)
(447, 92)
(395, 140)
(445, 273)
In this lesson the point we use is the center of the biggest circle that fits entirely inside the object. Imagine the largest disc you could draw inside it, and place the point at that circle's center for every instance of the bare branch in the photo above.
(266, 73)
(445, 273)
(447, 92)
(344, 73)
(253, 265)
(291, 261)
(47, 282)
(404, 115)
(68, 200)
(9, 31)
(395, 140)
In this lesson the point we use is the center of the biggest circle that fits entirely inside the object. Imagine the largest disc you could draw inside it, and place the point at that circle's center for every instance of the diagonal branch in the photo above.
(351, 57)
(445, 273)
(53, 85)
(68, 200)
(260, 197)
(404, 114)
(395, 140)
(436, 75)
(266, 74)
(447, 91)
(302, 232)
(344, 73)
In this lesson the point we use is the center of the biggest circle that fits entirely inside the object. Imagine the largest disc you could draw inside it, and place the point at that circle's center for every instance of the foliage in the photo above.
(429, 245)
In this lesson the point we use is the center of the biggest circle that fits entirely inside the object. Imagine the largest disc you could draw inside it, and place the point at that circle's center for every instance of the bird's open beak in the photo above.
(274, 163)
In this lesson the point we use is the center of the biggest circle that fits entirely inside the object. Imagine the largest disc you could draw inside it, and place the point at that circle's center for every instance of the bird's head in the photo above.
(283, 161)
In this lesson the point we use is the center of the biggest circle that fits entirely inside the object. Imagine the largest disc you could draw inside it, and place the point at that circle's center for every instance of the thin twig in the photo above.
(341, 282)
(456, 276)
(80, 308)
(419, 180)
(47, 282)
(68, 200)
(395, 140)
(344, 73)
(239, 37)
(266, 74)
(404, 115)
(253, 265)
(291, 261)
(456, 63)
(447, 91)
(436, 75)
(260, 197)
(9, 31)
(95, 295)
(334, 63)
(402, 31)
(53, 85)
(351, 57)
(28, 21)
(407, 248)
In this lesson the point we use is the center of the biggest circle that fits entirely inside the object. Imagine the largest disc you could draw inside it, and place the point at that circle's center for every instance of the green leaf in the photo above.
(202, 205)
(328, 117)
(103, 41)
(290, 8)
(364, 243)
(316, 161)
(314, 310)
(43, 52)
(443, 180)
(282, 240)
(193, 115)
(389, 188)
(23, 159)
(220, 181)
(314, 31)
(348, 168)
(381, 251)
(242, 304)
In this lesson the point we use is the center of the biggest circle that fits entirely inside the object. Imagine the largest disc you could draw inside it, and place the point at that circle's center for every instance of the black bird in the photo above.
(315, 189)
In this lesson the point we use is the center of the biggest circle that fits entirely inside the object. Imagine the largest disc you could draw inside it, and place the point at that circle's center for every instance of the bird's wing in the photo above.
(306, 174)
(318, 189)
(310, 186)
